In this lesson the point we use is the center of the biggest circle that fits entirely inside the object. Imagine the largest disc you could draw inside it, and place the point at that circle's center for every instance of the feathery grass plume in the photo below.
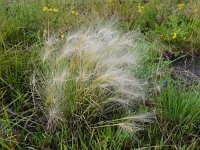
(85, 78)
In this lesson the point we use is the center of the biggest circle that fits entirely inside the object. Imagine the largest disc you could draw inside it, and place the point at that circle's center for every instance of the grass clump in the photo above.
(86, 83)
(177, 116)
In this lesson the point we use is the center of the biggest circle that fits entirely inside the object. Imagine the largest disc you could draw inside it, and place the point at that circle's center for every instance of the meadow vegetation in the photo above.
(98, 74)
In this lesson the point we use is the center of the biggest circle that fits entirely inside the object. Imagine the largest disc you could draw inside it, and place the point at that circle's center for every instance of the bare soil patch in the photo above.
(188, 68)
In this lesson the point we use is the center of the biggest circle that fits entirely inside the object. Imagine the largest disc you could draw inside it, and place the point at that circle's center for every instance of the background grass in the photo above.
(24, 27)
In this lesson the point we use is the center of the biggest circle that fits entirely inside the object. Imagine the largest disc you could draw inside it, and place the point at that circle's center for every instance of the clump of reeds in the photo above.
(85, 79)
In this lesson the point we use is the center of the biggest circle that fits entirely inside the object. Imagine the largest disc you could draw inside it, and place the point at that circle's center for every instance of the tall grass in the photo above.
(180, 105)
(85, 79)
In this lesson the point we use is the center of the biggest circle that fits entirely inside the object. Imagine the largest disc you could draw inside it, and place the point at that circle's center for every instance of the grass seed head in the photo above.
(88, 74)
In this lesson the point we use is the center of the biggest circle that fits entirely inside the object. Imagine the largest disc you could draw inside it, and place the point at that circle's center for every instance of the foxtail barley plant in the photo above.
(85, 79)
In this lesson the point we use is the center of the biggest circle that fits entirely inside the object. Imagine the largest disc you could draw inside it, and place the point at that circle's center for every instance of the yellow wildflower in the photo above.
(45, 8)
(140, 8)
(174, 35)
(55, 10)
(180, 6)
(75, 13)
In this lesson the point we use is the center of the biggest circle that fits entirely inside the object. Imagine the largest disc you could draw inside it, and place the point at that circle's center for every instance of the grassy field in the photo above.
(98, 74)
